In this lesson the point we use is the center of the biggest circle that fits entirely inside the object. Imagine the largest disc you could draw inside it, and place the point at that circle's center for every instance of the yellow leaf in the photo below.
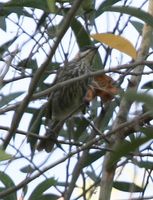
(117, 42)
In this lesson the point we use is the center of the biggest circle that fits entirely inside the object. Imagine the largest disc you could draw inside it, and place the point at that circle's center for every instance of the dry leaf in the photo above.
(102, 86)
(90, 94)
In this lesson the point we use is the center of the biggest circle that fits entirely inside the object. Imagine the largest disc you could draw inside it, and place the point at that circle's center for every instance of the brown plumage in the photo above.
(63, 101)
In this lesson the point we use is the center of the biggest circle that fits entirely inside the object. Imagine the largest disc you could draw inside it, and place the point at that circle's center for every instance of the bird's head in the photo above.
(86, 54)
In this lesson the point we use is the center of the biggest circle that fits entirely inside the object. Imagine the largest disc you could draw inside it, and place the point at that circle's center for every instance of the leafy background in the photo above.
(30, 30)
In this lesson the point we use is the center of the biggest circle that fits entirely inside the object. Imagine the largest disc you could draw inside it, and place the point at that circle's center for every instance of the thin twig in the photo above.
(32, 87)
(99, 72)
(87, 145)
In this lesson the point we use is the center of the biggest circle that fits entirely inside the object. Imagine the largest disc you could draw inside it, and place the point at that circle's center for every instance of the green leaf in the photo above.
(108, 115)
(27, 169)
(147, 130)
(49, 197)
(42, 187)
(140, 97)
(148, 85)
(7, 181)
(81, 125)
(87, 5)
(144, 164)
(8, 9)
(51, 5)
(35, 125)
(92, 157)
(4, 156)
(3, 23)
(124, 148)
(37, 120)
(135, 12)
(82, 37)
(27, 3)
(138, 26)
(104, 4)
(127, 187)
(6, 45)
(6, 99)
(93, 176)
(28, 64)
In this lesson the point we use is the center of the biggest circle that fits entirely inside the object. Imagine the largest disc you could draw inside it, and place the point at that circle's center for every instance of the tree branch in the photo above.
(114, 69)
(33, 84)
(126, 128)
(107, 173)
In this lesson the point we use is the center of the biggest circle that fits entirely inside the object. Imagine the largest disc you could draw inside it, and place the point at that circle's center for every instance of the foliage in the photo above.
(30, 57)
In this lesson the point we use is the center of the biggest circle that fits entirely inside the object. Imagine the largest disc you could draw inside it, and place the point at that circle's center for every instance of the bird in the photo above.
(68, 99)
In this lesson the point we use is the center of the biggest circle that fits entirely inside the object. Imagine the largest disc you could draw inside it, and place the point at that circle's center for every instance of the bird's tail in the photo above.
(51, 137)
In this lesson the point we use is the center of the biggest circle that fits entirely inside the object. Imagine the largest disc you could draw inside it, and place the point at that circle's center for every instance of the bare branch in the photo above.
(19, 113)
(108, 174)
(125, 127)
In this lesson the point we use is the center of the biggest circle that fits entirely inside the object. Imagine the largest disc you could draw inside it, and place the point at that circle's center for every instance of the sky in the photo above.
(129, 173)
